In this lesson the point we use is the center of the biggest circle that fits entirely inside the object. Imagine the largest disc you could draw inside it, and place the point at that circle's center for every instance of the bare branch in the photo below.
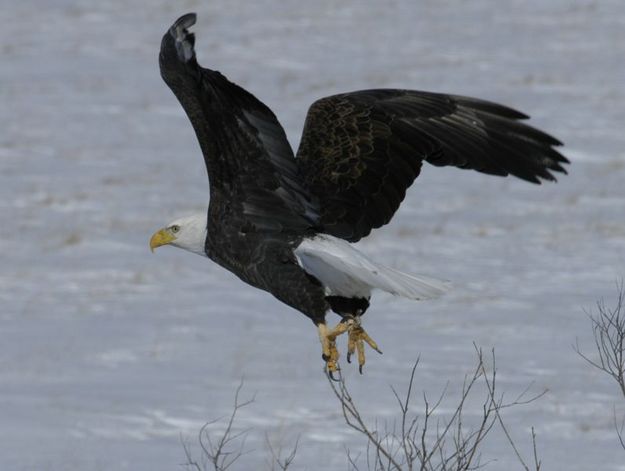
(276, 454)
(354, 420)
(537, 462)
(353, 461)
(191, 463)
(413, 442)
(223, 450)
(608, 327)
(490, 385)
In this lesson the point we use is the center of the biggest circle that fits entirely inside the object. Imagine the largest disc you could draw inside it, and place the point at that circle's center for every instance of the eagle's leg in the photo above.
(357, 336)
(330, 353)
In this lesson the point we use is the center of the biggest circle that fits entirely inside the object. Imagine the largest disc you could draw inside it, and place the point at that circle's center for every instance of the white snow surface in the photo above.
(109, 354)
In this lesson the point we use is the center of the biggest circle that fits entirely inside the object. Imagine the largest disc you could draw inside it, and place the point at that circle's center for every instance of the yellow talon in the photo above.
(355, 343)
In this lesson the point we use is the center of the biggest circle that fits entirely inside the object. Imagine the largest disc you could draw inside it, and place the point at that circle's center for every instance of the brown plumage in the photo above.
(360, 151)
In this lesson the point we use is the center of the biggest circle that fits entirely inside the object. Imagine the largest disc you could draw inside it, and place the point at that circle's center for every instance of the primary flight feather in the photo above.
(283, 222)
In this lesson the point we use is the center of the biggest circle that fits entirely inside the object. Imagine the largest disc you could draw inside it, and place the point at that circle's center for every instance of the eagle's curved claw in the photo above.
(331, 376)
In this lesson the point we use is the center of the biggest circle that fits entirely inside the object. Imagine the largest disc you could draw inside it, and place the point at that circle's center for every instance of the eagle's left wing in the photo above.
(251, 167)
(360, 151)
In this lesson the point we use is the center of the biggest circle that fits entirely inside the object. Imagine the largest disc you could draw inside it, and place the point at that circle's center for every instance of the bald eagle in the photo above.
(283, 223)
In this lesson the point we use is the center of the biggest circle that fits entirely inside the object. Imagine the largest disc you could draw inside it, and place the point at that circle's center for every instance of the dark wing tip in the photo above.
(178, 43)
(182, 23)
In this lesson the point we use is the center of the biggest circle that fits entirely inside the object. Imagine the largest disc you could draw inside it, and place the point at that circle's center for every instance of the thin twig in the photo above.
(276, 455)
(191, 463)
(608, 327)
(354, 420)
(216, 450)
(407, 443)
(490, 385)
(537, 462)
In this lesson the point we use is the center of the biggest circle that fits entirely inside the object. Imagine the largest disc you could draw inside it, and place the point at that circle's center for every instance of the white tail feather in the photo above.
(344, 271)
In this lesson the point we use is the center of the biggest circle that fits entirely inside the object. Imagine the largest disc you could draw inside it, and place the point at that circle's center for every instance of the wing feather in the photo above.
(360, 151)
(344, 271)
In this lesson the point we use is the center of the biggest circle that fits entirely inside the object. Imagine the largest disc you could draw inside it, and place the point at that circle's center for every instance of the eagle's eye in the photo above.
(175, 228)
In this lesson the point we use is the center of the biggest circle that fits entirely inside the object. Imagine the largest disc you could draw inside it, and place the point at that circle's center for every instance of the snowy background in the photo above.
(109, 355)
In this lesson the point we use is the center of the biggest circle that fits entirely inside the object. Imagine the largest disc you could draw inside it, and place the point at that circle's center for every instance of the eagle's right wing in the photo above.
(360, 151)
(251, 168)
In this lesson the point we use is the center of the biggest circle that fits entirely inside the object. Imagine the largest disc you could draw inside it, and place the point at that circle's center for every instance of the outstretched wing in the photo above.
(251, 167)
(360, 151)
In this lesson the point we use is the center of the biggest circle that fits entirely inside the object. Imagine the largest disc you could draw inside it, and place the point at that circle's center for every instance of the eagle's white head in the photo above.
(187, 233)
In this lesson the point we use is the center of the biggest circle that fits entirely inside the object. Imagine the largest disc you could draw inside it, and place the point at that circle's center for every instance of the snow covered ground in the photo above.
(109, 354)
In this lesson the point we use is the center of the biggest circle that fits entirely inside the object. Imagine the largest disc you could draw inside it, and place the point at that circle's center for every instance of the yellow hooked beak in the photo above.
(162, 237)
